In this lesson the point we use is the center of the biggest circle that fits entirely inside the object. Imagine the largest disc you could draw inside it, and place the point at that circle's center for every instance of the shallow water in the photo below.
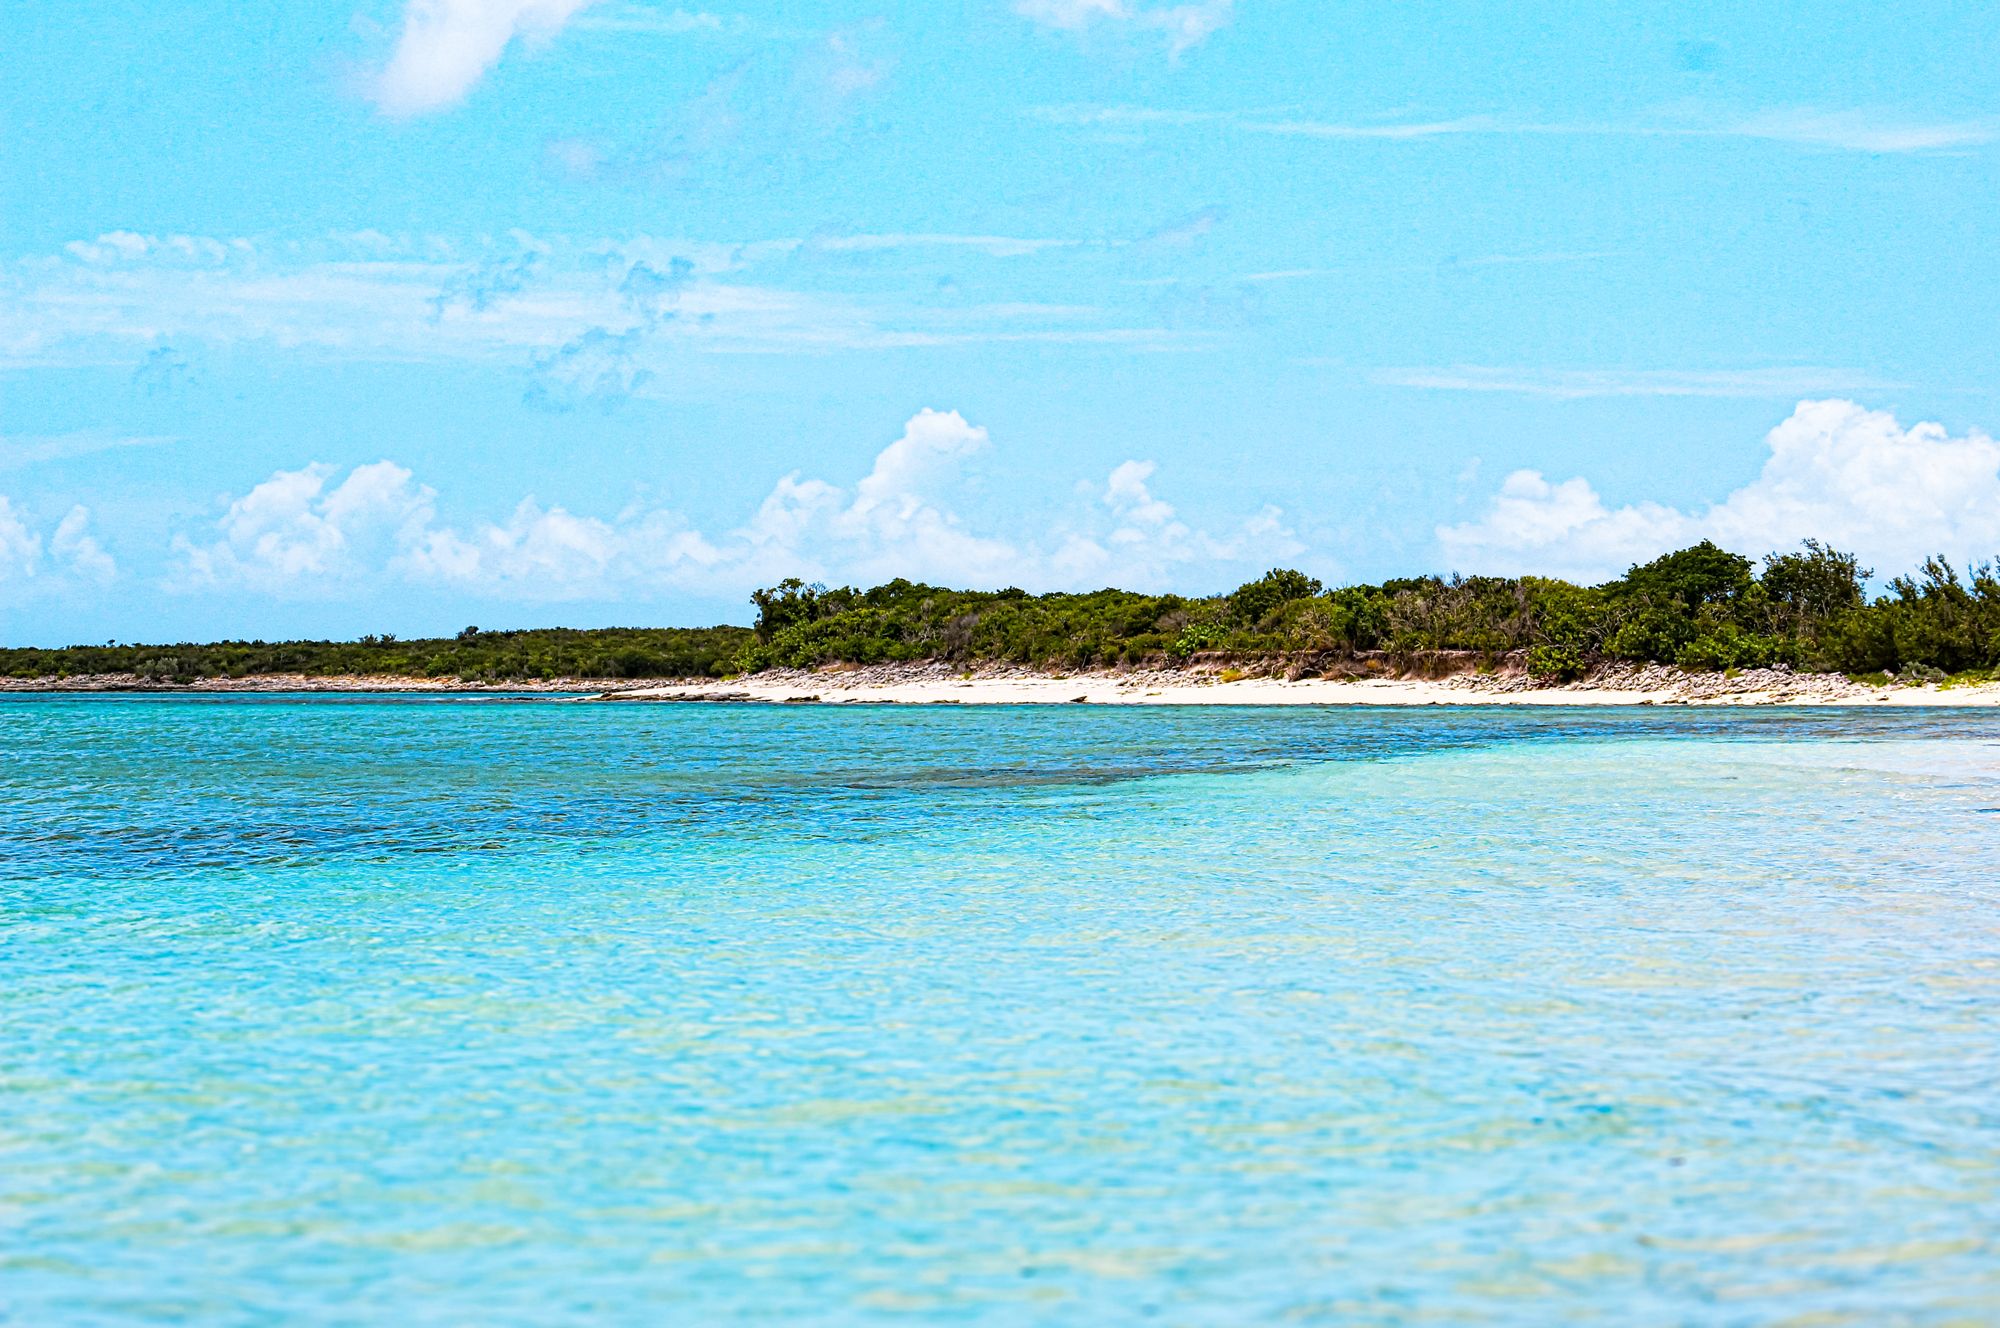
(447, 1011)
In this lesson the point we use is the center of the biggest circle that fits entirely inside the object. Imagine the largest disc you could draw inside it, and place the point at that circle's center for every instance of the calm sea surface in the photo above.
(338, 1010)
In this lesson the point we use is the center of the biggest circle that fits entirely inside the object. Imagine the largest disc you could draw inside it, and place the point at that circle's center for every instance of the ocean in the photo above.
(442, 1011)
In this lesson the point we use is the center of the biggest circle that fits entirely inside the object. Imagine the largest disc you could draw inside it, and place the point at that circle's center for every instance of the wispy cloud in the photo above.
(654, 21)
(1185, 25)
(1470, 124)
(1127, 116)
(1880, 132)
(1530, 260)
(119, 298)
(1859, 132)
(19, 452)
(1184, 232)
(1576, 384)
(1448, 263)
(998, 246)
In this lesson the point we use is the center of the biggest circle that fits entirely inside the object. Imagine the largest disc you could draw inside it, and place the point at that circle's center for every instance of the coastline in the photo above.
(938, 684)
(269, 683)
(942, 684)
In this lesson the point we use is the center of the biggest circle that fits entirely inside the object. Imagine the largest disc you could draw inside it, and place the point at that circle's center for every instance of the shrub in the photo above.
(1555, 663)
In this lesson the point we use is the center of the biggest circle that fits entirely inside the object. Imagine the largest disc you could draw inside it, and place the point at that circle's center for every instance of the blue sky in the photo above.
(386, 316)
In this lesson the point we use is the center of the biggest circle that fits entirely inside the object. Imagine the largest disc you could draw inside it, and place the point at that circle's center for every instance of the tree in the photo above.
(787, 604)
(1816, 584)
(1694, 577)
(1273, 590)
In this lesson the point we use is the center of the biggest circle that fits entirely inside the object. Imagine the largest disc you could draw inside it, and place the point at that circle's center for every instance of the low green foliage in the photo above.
(1553, 663)
(472, 655)
(1701, 608)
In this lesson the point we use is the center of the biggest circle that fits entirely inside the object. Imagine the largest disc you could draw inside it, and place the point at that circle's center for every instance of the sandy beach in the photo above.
(930, 684)
(942, 684)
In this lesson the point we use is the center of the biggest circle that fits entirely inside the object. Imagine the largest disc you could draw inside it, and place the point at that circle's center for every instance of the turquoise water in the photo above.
(333, 1011)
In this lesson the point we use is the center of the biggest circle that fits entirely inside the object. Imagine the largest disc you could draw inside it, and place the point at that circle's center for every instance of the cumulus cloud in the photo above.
(295, 533)
(20, 547)
(1147, 544)
(301, 533)
(74, 547)
(69, 555)
(534, 547)
(447, 46)
(1836, 471)
(1183, 25)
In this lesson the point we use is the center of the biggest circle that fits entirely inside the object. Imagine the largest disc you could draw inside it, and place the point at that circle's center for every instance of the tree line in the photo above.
(1702, 607)
(471, 656)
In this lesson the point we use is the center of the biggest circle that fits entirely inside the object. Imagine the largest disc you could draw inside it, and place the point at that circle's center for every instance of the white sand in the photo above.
(937, 685)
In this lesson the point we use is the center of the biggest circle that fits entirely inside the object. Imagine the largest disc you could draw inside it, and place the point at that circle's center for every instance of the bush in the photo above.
(1554, 663)
(1729, 647)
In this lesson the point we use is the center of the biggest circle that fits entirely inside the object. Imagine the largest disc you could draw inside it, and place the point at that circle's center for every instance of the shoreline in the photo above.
(1647, 685)
(942, 684)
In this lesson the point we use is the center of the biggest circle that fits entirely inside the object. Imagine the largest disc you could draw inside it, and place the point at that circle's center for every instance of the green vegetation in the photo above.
(1701, 608)
(472, 655)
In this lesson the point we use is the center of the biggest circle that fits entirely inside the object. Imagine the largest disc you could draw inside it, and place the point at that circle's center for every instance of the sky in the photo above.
(319, 319)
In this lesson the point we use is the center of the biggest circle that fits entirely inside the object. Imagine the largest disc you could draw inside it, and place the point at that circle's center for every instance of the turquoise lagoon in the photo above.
(464, 1011)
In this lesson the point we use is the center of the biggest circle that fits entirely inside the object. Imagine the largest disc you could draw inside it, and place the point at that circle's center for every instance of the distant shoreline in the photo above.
(939, 684)
(104, 684)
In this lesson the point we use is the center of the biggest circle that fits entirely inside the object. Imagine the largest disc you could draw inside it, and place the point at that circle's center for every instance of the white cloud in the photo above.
(1128, 494)
(1070, 14)
(20, 451)
(541, 303)
(447, 46)
(536, 546)
(1409, 129)
(846, 66)
(1857, 131)
(72, 554)
(1849, 130)
(293, 533)
(1183, 25)
(1836, 471)
(637, 18)
(1562, 530)
(997, 246)
(73, 545)
(301, 534)
(20, 547)
(1575, 384)
(1148, 545)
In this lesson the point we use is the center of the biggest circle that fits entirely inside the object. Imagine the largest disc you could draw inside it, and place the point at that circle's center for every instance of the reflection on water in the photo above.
(450, 1012)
